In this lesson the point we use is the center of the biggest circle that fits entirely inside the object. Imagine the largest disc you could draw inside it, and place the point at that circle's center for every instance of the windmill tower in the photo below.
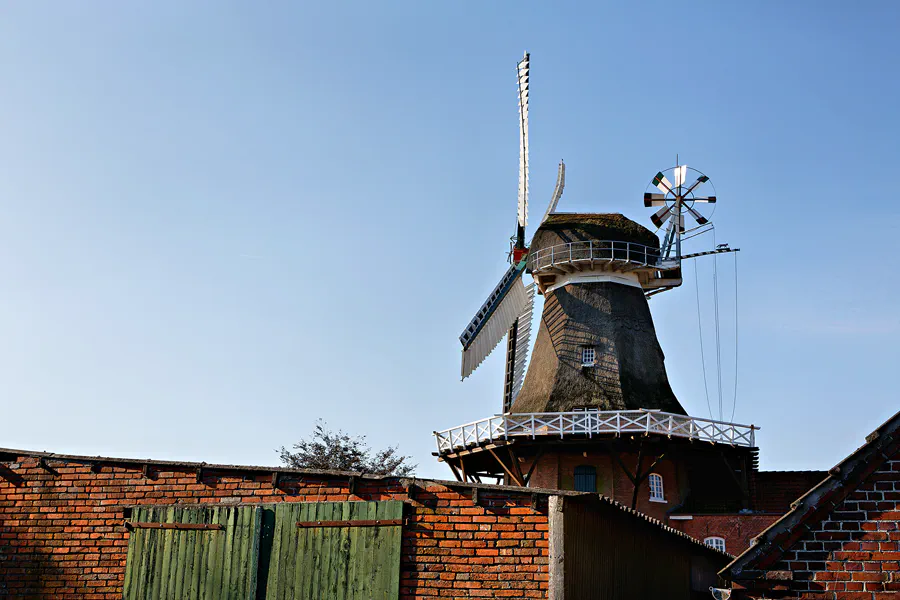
(595, 408)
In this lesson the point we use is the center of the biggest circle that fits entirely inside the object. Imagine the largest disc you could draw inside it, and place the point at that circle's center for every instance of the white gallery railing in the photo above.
(590, 423)
(594, 251)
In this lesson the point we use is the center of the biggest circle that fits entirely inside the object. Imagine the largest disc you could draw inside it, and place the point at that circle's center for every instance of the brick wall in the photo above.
(853, 554)
(557, 471)
(736, 529)
(61, 533)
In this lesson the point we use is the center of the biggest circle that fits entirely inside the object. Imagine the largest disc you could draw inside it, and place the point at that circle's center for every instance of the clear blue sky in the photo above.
(221, 221)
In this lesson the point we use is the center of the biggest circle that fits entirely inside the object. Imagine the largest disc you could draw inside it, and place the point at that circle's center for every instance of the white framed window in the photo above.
(716, 542)
(657, 493)
(588, 356)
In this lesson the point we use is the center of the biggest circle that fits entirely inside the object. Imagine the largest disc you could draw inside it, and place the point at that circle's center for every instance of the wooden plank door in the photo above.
(336, 551)
(196, 553)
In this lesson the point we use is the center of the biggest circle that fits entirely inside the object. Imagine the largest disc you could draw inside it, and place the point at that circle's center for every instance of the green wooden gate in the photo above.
(336, 550)
(292, 551)
(202, 553)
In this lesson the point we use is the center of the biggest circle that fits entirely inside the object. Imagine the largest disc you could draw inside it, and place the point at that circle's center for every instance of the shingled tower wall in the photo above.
(610, 316)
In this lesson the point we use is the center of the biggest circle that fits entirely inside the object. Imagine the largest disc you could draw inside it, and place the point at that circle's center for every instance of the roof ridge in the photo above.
(769, 545)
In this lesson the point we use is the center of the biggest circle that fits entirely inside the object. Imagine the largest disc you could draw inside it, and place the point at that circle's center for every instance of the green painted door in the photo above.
(328, 558)
(183, 561)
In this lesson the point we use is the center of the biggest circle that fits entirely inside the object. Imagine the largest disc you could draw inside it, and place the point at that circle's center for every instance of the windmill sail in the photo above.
(523, 342)
(557, 191)
(493, 320)
(523, 72)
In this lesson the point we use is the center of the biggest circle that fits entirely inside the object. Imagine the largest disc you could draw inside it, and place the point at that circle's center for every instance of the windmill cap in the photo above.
(563, 228)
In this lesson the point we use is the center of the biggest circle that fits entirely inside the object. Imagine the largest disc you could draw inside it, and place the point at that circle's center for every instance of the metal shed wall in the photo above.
(610, 556)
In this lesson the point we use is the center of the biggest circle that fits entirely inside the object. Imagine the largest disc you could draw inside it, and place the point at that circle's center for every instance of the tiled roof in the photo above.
(817, 503)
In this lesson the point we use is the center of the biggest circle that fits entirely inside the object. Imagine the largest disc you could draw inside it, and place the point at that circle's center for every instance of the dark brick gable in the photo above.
(841, 541)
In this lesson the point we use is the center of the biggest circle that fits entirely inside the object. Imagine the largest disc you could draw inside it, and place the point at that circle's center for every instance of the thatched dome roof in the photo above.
(562, 228)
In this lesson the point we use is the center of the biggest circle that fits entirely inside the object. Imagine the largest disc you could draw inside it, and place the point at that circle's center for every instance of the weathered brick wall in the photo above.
(736, 529)
(853, 554)
(61, 533)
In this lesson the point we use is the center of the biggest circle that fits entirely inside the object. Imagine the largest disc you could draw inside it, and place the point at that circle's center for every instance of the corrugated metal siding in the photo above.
(170, 564)
(610, 557)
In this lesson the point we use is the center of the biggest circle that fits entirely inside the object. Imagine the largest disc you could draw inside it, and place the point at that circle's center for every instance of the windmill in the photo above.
(676, 200)
(507, 310)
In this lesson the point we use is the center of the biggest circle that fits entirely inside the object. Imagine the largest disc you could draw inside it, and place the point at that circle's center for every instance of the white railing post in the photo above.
(752, 436)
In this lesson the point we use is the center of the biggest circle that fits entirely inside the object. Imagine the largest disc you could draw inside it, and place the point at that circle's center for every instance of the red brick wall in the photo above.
(61, 535)
(737, 530)
(557, 471)
(854, 553)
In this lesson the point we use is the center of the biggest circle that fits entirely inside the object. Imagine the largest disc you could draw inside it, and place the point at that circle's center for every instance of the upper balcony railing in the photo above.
(588, 423)
(595, 251)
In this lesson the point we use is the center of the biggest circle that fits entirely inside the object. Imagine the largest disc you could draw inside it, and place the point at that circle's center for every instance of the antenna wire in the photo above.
(700, 328)
(734, 402)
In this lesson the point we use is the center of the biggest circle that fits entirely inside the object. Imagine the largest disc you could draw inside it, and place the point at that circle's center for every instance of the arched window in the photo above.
(585, 479)
(656, 488)
(716, 542)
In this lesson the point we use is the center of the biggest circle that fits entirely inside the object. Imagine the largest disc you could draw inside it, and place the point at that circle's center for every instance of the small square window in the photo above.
(588, 357)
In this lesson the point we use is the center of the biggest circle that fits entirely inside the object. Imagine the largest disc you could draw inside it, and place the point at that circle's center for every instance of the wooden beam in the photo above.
(637, 482)
(628, 474)
(745, 492)
(537, 457)
(201, 526)
(455, 471)
(515, 463)
(357, 523)
(508, 471)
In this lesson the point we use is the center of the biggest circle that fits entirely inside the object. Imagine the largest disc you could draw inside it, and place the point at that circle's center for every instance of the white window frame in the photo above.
(657, 492)
(588, 356)
(715, 541)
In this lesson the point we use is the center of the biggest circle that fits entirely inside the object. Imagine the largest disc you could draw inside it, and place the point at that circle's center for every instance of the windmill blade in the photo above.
(557, 191)
(680, 174)
(654, 199)
(662, 183)
(523, 72)
(707, 199)
(700, 180)
(523, 343)
(494, 319)
(661, 215)
(697, 216)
